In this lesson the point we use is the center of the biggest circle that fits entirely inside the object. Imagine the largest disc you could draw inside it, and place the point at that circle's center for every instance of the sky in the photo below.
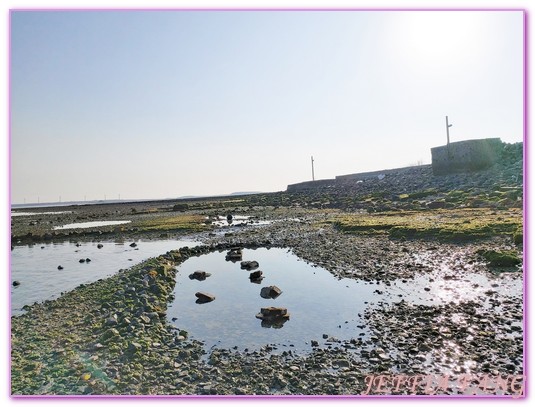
(163, 104)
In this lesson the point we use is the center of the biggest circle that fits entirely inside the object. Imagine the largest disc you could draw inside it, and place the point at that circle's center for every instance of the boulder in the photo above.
(16, 283)
(249, 265)
(199, 275)
(82, 260)
(60, 267)
(270, 292)
(203, 297)
(100, 246)
(133, 244)
(256, 275)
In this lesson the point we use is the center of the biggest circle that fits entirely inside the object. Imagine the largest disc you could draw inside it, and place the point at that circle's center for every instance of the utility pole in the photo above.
(448, 135)
(312, 160)
(448, 129)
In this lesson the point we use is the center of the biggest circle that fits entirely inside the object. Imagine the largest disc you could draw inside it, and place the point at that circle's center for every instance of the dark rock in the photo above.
(273, 317)
(133, 244)
(60, 267)
(82, 260)
(249, 265)
(87, 260)
(256, 277)
(270, 292)
(439, 204)
(203, 297)
(234, 254)
(199, 275)
(16, 283)
(100, 246)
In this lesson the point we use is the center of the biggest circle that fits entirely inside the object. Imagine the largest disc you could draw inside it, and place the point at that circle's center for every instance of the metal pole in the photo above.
(312, 159)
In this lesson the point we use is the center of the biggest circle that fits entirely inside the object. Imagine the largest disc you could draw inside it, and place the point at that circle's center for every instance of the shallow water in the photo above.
(36, 266)
(318, 303)
(14, 214)
(83, 225)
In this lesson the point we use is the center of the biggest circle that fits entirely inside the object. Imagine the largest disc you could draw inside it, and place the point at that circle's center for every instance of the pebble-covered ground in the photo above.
(112, 336)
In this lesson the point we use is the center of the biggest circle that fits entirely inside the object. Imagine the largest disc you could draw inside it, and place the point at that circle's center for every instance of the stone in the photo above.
(270, 292)
(199, 275)
(256, 275)
(82, 260)
(273, 317)
(133, 244)
(145, 319)
(60, 267)
(87, 260)
(203, 297)
(234, 254)
(100, 246)
(249, 265)
(16, 283)
(273, 312)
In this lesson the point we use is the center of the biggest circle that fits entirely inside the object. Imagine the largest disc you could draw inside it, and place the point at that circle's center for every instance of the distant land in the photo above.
(119, 201)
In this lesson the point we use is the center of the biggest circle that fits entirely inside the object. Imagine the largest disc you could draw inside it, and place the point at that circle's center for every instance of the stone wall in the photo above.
(468, 155)
(303, 186)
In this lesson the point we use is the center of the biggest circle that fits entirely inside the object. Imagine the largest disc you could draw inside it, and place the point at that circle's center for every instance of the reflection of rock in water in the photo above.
(275, 323)
(203, 298)
(234, 254)
(199, 275)
(249, 265)
(270, 292)
(273, 317)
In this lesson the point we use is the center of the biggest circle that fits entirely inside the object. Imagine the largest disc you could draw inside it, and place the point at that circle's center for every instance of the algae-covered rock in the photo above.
(506, 258)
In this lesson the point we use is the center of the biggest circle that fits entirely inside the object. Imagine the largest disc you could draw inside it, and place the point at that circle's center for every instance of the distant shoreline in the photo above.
(124, 201)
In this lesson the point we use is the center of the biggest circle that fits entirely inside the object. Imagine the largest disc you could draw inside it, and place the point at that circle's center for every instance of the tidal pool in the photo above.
(322, 307)
(83, 225)
(318, 303)
(36, 266)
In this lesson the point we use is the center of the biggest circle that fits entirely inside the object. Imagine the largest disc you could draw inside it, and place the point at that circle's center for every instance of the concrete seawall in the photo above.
(468, 155)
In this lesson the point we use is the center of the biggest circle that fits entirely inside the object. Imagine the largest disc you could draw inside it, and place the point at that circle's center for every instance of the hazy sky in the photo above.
(171, 103)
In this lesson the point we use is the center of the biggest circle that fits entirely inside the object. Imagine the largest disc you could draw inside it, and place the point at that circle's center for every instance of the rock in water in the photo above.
(234, 254)
(256, 277)
(199, 275)
(16, 283)
(249, 265)
(133, 244)
(270, 292)
(203, 297)
(273, 317)
(60, 267)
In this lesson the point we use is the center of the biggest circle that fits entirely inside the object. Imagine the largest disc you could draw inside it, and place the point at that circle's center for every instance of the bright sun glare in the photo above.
(437, 39)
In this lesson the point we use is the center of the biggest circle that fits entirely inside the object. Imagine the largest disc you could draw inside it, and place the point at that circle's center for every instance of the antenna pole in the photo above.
(312, 160)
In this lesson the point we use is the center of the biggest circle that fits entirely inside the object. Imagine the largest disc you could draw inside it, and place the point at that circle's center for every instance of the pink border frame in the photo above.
(293, 397)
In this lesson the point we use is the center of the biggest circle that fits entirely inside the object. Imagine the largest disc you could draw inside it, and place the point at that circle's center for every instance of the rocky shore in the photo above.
(112, 336)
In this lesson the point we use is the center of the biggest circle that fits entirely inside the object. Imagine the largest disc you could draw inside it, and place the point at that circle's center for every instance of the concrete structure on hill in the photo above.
(460, 156)
(467, 155)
